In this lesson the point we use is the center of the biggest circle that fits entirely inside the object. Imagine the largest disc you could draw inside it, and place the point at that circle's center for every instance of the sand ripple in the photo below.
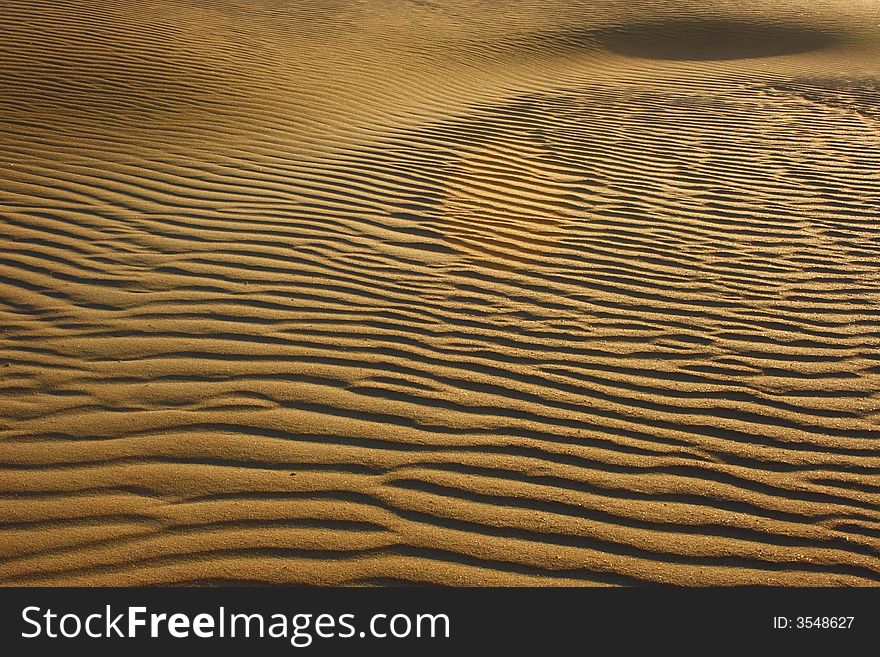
(447, 292)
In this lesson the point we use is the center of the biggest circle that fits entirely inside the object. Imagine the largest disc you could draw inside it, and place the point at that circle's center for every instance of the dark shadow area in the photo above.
(714, 39)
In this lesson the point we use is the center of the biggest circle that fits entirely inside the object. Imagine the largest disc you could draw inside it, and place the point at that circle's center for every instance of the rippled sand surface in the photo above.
(447, 292)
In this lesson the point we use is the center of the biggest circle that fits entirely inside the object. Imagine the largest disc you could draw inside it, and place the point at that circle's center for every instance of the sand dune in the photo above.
(448, 292)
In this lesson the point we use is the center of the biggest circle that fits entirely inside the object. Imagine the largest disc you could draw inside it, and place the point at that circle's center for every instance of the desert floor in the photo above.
(538, 292)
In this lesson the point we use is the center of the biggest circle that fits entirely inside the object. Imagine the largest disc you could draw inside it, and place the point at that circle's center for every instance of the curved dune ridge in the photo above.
(439, 292)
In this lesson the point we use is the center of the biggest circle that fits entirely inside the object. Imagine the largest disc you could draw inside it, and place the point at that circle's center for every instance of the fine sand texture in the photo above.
(457, 292)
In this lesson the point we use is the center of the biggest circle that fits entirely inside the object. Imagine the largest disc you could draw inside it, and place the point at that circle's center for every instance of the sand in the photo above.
(446, 292)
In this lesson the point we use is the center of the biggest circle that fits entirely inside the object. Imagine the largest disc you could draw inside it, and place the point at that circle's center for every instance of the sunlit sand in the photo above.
(451, 292)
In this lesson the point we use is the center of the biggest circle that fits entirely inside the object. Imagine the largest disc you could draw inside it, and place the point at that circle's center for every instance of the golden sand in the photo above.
(449, 292)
